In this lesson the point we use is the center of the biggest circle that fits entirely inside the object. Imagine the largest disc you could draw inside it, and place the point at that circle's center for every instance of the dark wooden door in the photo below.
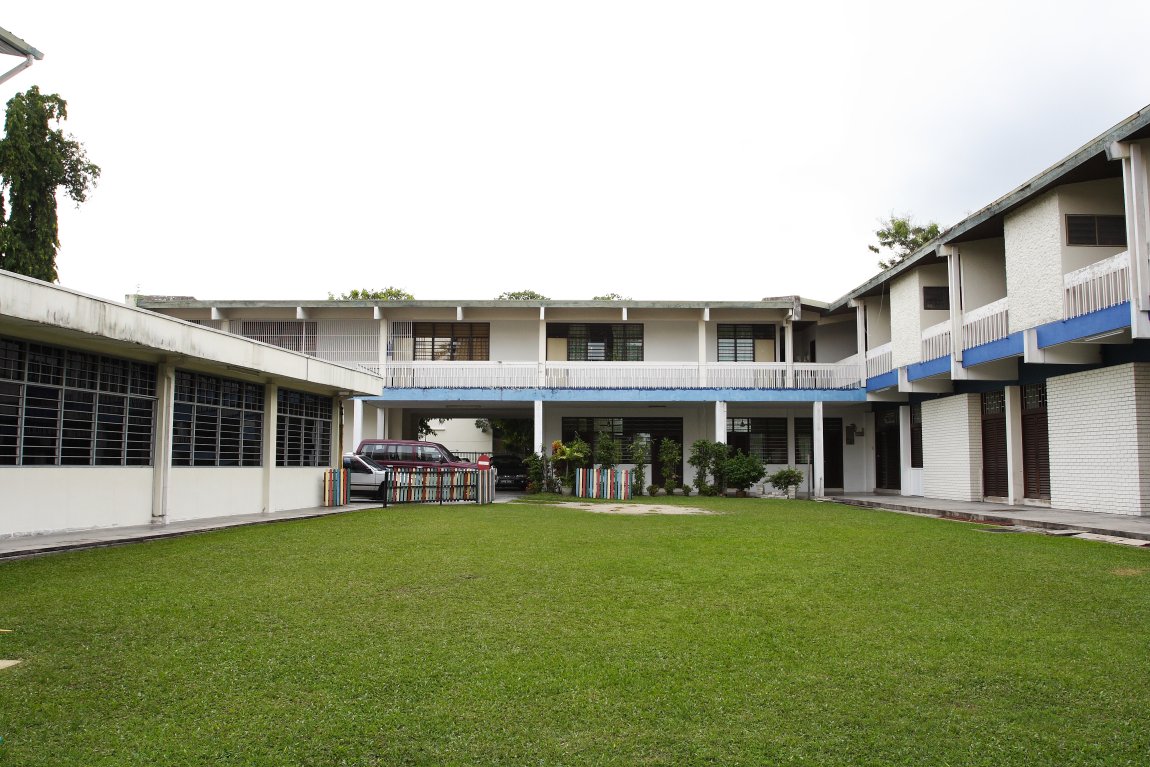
(887, 468)
(1035, 442)
(994, 466)
(833, 453)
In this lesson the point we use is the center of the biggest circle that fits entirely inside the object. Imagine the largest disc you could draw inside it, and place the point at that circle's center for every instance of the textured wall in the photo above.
(905, 319)
(983, 272)
(1099, 424)
(952, 448)
(1034, 263)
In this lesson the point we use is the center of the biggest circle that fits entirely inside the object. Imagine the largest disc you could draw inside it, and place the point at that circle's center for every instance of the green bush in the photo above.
(784, 478)
(670, 459)
(743, 470)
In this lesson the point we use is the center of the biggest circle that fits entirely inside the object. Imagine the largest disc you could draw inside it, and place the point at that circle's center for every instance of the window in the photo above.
(804, 441)
(624, 431)
(60, 407)
(737, 342)
(936, 298)
(293, 335)
(600, 342)
(217, 421)
(458, 341)
(1096, 230)
(762, 437)
(303, 429)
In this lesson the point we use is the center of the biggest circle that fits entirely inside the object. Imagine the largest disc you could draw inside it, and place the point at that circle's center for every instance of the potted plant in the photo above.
(787, 480)
(742, 471)
(566, 457)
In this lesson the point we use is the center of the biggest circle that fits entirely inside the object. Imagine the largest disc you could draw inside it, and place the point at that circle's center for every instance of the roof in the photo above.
(179, 302)
(1088, 163)
(14, 46)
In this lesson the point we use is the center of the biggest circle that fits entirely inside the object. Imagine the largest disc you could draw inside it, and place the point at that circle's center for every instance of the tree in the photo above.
(611, 297)
(36, 160)
(902, 237)
(387, 294)
(521, 295)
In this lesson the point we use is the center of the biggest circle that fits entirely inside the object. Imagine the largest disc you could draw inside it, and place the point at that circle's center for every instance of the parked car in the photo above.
(411, 454)
(364, 476)
(511, 472)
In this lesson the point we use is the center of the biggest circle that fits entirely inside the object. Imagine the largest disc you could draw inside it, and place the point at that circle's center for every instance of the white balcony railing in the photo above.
(1097, 286)
(985, 324)
(879, 360)
(936, 341)
(618, 375)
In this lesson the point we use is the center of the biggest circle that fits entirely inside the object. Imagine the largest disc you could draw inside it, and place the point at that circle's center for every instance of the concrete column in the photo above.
(271, 411)
(539, 426)
(381, 423)
(335, 451)
(721, 422)
(904, 458)
(384, 335)
(162, 446)
(791, 452)
(954, 283)
(790, 354)
(703, 348)
(1015, 477)
(542, 357)
(356, 423)
(819, 480)
(860, 339)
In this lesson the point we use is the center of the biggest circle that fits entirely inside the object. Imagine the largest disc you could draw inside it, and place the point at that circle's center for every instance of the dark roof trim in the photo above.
(184, 302)
(14, 46)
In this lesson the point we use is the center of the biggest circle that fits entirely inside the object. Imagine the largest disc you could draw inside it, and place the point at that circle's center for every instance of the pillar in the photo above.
(539, 447)
(819, 480)
(356, 423)
(162, 452)
(1015, 477)
(271, 412)
(721, 422)
(904, 457)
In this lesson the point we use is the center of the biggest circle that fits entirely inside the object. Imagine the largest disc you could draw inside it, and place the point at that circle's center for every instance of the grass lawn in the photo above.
(773, 632)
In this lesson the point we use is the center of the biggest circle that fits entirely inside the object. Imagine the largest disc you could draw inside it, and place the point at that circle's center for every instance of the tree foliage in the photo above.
(36, 159)
(521, 295)
(366, 294)
(611, 297)
(902, 237)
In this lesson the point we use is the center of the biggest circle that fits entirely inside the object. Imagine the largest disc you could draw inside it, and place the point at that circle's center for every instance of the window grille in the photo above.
(600, 342)
(399, 342)
(293, 335)
(303, 429)
(457, 341)
(217, 421)
(762, 437)
(1096, 230)
(736, 343)
(62, 407)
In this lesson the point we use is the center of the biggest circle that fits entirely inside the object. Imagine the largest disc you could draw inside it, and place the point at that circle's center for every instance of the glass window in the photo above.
(215, 422)
(303, 429)
(737, 342)
(600, 342)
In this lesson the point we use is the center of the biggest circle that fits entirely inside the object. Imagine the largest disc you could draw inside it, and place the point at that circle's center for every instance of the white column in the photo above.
(791, 452)
(335, 449)
(703, 348)
(162, 452)
(954, 283)
(539, 426)
(1015, 478)
(356, 423)
(384, 333)
(790, 354)
(819, 483)
(721, 422)
(381, 423)
(860, 338)
(542, 357)
(271, 410)
(904, 458)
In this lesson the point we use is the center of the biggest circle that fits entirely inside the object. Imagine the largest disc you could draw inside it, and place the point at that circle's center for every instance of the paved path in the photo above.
(1119, 525)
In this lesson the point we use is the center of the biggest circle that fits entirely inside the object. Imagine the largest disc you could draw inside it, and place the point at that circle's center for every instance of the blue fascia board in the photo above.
(622, 395)
(1106, 320)
(884, 381)
(1011, 346)
(919, 370)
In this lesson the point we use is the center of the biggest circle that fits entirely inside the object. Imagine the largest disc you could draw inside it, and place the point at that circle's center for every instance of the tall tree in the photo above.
(902, 237)
(36, 159)
(366, 294)
(521, 295)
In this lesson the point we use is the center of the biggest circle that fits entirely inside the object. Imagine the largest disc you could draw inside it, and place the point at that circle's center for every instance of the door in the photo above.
(833, 453)
(887, 468)
(995, 473)
(1035, 443)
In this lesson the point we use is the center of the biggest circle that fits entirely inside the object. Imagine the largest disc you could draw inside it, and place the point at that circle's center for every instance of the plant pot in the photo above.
(792, 491)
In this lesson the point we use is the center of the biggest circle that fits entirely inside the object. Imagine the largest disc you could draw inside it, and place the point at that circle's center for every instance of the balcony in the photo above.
(844, 374)
(1098, 286)
(985, 324)
(879, 361)
(936, 341)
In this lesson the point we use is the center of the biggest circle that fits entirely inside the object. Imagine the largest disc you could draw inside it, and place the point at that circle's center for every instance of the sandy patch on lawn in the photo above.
(634, 508)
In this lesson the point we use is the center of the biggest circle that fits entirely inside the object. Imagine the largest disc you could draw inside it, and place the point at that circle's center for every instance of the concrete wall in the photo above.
(1099, 426)
(952, 448)
(878, 321)
(296, 487)
(934, 276)
(40, 499)
(515, 340)
(676, 341)
(197, 492)
(835, 342)
(1033, 242)
(1103, 197)
(983, 272)
(906, 318)
(460, 435)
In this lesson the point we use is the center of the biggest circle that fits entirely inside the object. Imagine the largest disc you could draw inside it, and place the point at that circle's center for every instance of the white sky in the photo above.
(661, 150)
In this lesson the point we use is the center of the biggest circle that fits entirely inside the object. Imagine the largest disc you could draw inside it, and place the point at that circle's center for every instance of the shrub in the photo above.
(670, 459)
(653, 490)
(640, 454)
(743, 470)
(784, 478)
(607, 450)
(686, 490)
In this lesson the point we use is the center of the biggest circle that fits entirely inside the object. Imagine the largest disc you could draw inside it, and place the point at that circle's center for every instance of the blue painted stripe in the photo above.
(1011, 346)
(621, 395)
(1105, 320)
(884, 381)
(920, 370)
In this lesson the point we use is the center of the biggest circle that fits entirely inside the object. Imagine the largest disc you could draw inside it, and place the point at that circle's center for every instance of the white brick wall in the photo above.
(952, 448)
(906, 330)
(1099, 422)
(1034, 263)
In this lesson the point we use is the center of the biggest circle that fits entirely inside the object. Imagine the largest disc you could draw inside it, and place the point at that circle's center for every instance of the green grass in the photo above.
(775, 632)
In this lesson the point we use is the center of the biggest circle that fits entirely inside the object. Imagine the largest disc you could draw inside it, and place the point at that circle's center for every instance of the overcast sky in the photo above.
(660, 150)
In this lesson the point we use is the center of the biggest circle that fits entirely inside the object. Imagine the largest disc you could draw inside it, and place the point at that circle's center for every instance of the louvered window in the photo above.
(600, 342)
(217, 421)
(454, 341)
(736, 343)
(762, 437)
(1035, 442)
(994, 466)
(1096, 230)
(303, 429)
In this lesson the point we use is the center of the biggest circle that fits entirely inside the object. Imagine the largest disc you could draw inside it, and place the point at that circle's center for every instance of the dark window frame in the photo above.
(303, 429)
(451, 341)
(1096, 230)
(601, 341)
(217, 421)
(735, 342)
(936, 298)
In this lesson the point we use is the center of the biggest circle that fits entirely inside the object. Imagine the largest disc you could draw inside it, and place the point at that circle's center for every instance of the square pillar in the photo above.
(1015, 477)
(539, 447)
(904, 457)
(818, 484)
(356, 423)
(162, 449)
(271, 413)
(721, 422)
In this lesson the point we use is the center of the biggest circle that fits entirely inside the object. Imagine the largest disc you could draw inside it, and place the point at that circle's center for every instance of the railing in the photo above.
(879, 360)
(985, 324)
(618, 375)
(434, 485)
(936, 341)
(1097, 286)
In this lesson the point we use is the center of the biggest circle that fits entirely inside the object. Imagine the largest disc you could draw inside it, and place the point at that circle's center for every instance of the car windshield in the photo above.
(371, 463)
(450, 456)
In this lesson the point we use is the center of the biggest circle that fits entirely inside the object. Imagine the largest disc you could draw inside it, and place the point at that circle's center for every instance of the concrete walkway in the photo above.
(1073, 520)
